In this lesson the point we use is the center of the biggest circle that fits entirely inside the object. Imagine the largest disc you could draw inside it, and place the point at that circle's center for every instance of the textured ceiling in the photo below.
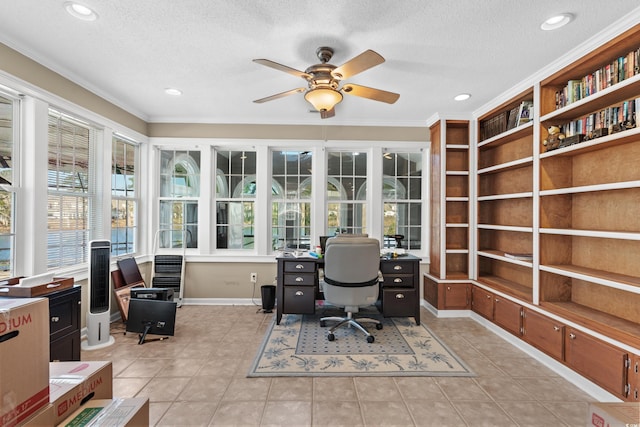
(434, 49)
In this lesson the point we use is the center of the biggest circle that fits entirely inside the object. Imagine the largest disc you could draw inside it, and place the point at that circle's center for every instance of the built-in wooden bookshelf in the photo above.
(588, 203)
(505, 204)
(450, 196)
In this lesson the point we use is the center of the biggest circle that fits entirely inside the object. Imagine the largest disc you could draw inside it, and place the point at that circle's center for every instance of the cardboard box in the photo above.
(24, 358)
(624, 414)
(130, 412)
(71, 384)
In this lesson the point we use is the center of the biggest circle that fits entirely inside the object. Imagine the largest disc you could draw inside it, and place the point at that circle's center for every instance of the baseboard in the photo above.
(444, 314)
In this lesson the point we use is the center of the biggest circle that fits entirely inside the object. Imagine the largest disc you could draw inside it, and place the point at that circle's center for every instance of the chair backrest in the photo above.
(352, 259)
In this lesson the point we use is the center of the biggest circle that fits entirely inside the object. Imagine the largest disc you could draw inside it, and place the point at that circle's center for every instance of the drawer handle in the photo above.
(399, 296)
(55, 319)
(299, 293)
(397, 280)
(299, 279)
(572, 336)
(299, 266)
(556, 328)
(397, 267)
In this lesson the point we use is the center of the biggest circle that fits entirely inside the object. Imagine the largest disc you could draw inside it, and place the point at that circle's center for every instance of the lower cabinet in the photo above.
(544, 333)
(602, 363)
(447, 295)
(482, 302)
(64, 324)
(612, 368)
(508, 315)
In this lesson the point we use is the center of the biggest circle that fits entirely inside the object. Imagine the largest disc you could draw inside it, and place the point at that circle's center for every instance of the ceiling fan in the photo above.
(325, 81)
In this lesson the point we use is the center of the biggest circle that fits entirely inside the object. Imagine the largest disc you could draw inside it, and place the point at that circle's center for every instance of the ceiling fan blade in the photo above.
(326, 114)
(360, 63)
(371, 93)
(279, 95)
(280, 67)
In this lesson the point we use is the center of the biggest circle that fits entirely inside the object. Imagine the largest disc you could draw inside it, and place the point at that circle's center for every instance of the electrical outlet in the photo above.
(254, 277)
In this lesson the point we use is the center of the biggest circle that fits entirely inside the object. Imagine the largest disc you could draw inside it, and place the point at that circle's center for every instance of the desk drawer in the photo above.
(299, 299)
(299, 266)
(397, 267)
(300, 279)
(398, 280)
(398, 302)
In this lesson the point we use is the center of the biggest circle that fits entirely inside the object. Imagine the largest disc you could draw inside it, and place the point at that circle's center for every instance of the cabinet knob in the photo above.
(572, 336)
(397, 267)
(448, 288)
(299, 279)
(397, 280)
(299, 293)
(488, 296)
(55, 319)
(299, 266)
(556, 328)
(399, 296)
(497, 300)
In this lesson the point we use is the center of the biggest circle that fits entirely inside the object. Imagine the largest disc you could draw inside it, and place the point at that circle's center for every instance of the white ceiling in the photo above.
(434, 50)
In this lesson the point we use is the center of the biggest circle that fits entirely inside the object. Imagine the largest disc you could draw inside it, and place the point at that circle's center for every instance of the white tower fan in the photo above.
(99, 312)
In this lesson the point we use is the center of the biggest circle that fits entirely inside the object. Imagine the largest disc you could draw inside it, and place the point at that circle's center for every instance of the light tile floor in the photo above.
(198, 378)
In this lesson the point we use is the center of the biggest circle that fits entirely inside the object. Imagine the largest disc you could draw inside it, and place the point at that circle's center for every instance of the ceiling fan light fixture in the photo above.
(323, 99)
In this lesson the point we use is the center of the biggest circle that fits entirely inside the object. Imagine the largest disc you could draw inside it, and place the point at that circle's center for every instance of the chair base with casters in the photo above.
(350, 321)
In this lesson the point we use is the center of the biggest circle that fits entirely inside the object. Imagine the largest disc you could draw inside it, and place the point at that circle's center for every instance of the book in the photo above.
(525, 112)
(519, 256)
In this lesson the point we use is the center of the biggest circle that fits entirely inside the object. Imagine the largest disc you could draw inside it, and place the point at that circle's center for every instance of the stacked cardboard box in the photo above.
(24, 358)
(622, 414)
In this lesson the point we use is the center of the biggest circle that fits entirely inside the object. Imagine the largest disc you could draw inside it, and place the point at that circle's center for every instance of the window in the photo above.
(8, 135)
(179, 195)
(123, 196)
(235, 199)
(402, 198)
(346, 192)
(291, 199)
(68, 190)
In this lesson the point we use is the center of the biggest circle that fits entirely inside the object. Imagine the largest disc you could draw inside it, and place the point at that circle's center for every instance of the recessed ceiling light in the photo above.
(80, 11)
(172, 91)
(462, 97)
(556, 21)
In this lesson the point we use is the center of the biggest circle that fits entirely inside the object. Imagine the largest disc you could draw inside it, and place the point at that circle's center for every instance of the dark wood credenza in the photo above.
(297, 286)
(64, 324)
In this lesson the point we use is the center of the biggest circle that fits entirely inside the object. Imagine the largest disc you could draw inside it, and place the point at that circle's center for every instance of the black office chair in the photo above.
(351, 280)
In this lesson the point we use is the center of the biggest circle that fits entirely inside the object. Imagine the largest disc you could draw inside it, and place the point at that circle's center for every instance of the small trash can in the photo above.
(268, 297)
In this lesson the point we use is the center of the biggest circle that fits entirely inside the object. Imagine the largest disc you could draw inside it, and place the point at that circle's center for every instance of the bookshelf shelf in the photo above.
(524, 162)
(600, 277)
(508, 287)
(500, 255)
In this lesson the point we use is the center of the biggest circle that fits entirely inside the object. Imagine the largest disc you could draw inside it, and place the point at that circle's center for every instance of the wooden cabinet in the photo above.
(447, 296)
(64, 324)
(544, 333)
(482, 302)
(602, 363)
(508, 315)
(505, 203)
(589, 198)
(634, 379)
(400, 287)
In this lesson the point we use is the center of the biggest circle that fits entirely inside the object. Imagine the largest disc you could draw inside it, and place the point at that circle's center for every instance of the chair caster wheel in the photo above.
(323, 323)
(331, 337)
(370, 339)
(378, 326)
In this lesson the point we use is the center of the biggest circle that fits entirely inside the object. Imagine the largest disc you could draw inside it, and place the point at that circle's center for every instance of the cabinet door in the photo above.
(600, 362)
(544, 333)
(482, 302)
(457, 296)
(508, 315)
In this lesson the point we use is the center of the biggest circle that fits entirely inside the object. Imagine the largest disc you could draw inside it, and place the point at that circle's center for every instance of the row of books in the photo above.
(622, 68)
(506, 120)
(615, 118)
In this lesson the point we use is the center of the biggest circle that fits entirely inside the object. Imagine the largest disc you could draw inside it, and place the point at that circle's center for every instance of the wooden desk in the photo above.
(297, 286)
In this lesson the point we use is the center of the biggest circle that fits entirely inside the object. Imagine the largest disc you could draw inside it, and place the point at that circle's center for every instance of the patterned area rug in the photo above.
(298, 346)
